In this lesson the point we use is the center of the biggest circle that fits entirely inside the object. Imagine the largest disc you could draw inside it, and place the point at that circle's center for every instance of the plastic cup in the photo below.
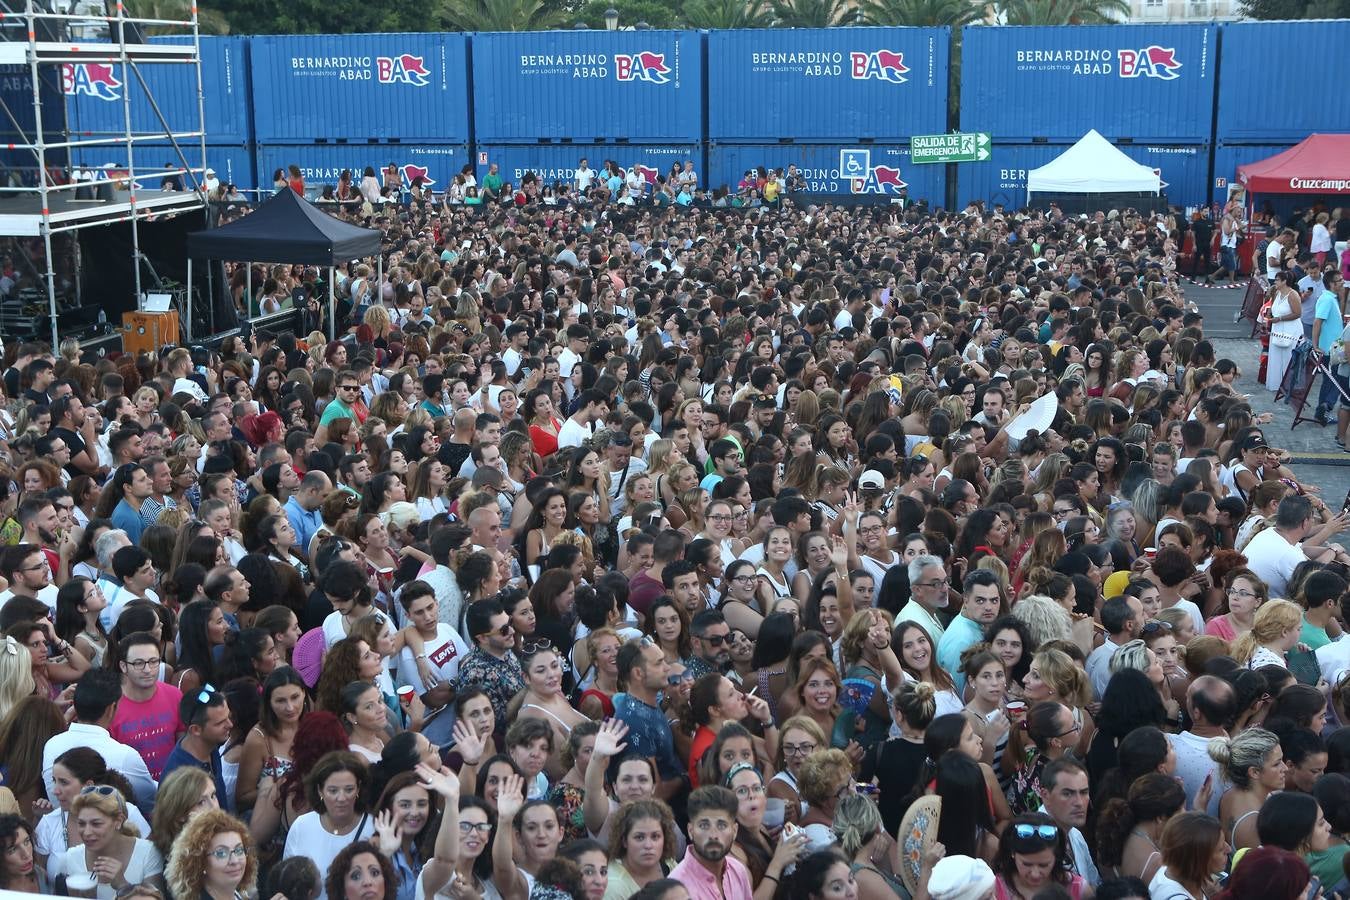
(81, 882)
(775, 812)
(1150, 552)
(405, 693)
(1016, 707)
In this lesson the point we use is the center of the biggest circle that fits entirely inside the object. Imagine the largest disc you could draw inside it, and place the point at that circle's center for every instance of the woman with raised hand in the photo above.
(535, 825)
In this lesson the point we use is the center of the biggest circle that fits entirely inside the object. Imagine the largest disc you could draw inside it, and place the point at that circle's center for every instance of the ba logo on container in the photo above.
(644, 66)
(884, 65)
(879, 180)
(1150, 62)
(402, 69)
(411, 171)
(90, 79)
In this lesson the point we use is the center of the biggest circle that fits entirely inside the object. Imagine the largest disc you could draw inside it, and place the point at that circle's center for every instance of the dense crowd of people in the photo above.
(792, 554)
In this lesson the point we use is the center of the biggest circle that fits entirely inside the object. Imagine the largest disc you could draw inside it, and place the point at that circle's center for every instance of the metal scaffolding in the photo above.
(57, 201)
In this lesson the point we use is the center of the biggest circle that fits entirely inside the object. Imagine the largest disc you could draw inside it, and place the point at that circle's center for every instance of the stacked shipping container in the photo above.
(545, 100)
(94, 104)
(1193, 101)
(1147, 88)
(331, 102)
(1266, 109)
(840, 103)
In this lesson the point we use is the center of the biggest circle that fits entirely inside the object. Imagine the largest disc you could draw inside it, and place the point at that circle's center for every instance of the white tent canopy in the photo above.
(1093, 166)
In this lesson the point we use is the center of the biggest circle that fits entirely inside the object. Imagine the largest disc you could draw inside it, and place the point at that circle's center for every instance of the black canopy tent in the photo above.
(286, 229)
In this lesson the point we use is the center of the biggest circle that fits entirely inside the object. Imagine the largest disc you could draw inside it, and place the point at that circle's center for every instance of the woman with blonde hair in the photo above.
(389, 407)
(377, 319)
(824, 778)
(862, 836)
(662, 457)
(112, 854)
(1136, 654)
(1046, 619)
(1055, 467)
(1047, 548)
(185, 792)
(808, 409)
(213, 858)
(1275, 630)
(1253, 763)
(1053, 675)
(16, 674)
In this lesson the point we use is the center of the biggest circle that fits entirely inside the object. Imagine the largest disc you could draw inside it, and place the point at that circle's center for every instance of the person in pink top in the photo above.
(1245, 593)
(708, 869)
(147, 716)
(1033, 854)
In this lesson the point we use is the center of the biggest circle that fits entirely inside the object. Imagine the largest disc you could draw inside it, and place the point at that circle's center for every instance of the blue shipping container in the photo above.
(361, 87)
(1003, 177)
(94, 94)
(827, 85)
(16, 89)
(558, 162)
(321, 164)
(1146, 82)
(1227, 158)
(1260, 103)
(233, 165)
(877, 170)
(588, 86)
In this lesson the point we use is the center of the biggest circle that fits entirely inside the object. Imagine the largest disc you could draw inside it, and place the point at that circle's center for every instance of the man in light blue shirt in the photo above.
(302, 509)
(980, 605)
(1326, 330)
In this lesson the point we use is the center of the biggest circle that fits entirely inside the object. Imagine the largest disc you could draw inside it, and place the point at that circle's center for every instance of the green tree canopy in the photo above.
(631, 12)
(921, 13)
(724, 14)
(1062, 12)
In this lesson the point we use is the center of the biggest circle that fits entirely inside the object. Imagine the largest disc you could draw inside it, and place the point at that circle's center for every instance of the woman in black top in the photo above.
(894, 764)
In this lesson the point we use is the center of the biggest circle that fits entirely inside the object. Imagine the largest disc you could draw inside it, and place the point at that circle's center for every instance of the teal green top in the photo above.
(1313, 636)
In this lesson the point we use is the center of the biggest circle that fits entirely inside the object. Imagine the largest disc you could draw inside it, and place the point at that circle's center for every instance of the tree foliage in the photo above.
(324, 16)
(1296, 9)
(1062, 12)
(653, 12)
(922, 13)
(209, 21)
(497, 15)
(724, 14)
(812, 13)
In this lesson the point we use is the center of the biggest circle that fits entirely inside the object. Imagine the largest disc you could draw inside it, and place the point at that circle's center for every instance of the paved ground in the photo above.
(1317, 458)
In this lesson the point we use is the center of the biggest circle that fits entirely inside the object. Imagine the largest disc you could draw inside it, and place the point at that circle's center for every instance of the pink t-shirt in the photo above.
(151, 726)
(1219, 626)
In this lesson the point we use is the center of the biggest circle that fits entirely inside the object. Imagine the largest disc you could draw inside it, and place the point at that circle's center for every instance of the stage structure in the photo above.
(49, 189)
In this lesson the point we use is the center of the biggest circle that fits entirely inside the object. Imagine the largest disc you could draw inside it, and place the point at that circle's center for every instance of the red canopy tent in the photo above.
(1320, 164)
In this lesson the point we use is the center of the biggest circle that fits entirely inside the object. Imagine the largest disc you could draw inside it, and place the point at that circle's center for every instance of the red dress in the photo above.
(545, 444)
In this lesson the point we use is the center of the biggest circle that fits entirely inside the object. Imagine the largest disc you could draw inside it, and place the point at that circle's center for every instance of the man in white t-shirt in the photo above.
(1276, 552)
(180, 364)
(1276, 249)
(636, 184)
(443, 649)
(517, 343)
(577, 338)
(592, 407)
(584, 177)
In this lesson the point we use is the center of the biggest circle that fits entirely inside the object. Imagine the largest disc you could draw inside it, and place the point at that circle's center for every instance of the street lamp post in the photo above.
(611, 19)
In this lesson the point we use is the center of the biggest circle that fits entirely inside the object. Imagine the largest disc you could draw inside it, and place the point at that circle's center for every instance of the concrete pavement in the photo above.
(1317, 459)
